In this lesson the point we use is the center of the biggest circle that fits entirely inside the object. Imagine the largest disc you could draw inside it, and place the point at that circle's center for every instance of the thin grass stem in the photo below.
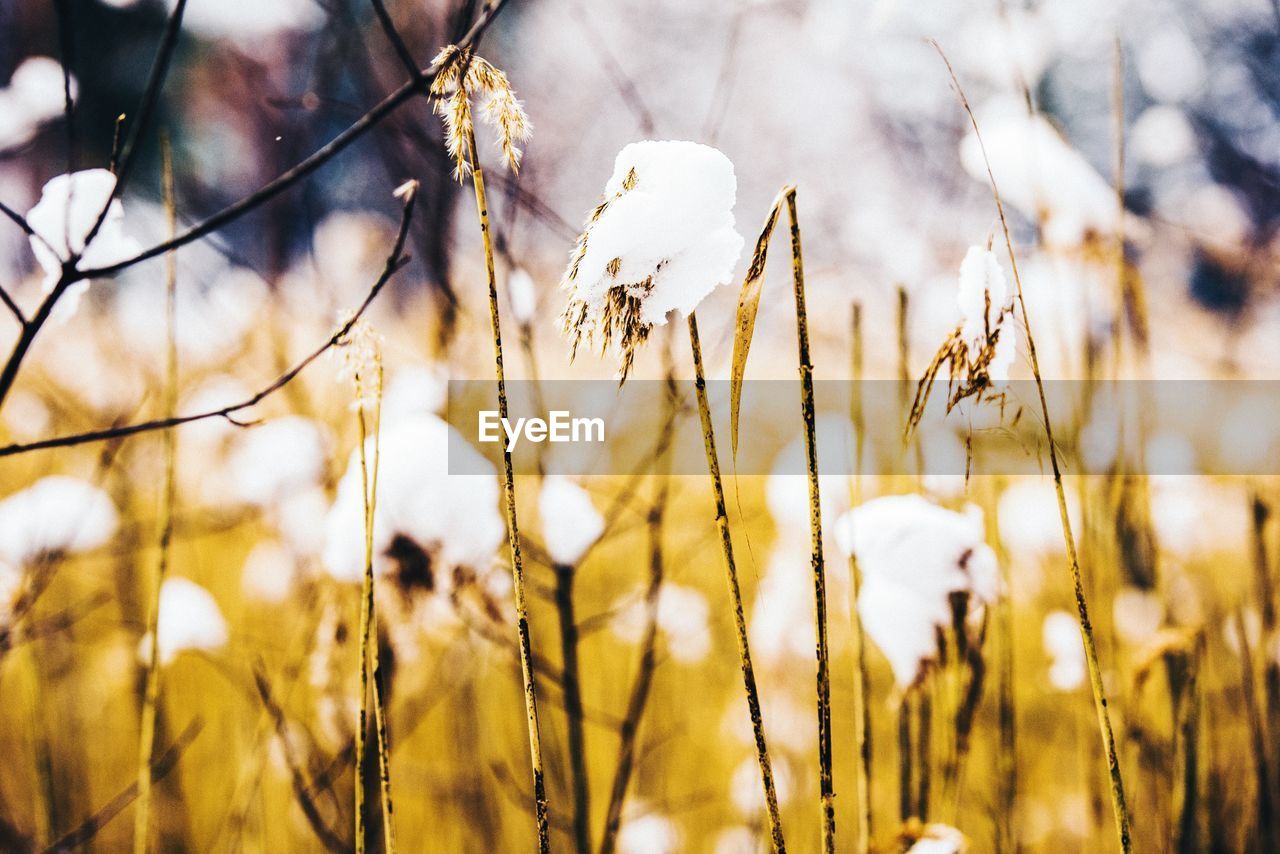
(151, 695)
(735, 593)
(1118, 804)
(827, 793)
(861, 681)
(509, 504)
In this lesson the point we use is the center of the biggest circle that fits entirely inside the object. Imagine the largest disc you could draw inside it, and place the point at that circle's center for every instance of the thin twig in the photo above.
(395, 261)
(397, 41)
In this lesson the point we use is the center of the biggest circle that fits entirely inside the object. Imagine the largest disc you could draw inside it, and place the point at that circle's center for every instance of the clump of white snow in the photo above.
(1042, 175)
(570, 522)
(55, 515)
(452, 519)
(62, 220)
(914, 555)
(189, 619)
(661, 241)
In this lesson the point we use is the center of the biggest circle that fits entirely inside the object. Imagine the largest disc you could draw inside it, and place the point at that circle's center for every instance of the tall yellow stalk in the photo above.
(861, 711)
(826, 786)
(509, 504)
(1118, 804)
(151, 696)
(735, 592)
(370, 665)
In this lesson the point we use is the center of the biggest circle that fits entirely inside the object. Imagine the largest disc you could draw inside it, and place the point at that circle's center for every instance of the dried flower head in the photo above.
(361, 353)
(661, 240)
(979, 353)
(463, 75)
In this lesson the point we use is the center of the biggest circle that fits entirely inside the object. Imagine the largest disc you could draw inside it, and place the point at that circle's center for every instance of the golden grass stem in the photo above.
(827, 793)
(1007, 759)
(151, 693)
(1118, 804)
(1266, 830)
(638, 699)
(571, 683)
(509, 504)
(861, 681)
(735, 593)
(370, 665)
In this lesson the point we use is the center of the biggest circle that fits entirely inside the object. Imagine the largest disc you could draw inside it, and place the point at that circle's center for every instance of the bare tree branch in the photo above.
(395, 261)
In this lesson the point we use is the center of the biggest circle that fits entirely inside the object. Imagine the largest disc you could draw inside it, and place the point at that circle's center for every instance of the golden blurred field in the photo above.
(243, 260)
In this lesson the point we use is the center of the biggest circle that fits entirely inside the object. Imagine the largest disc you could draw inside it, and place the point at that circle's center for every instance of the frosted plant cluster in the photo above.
(914, 555)
(661, 240)
(453, 519)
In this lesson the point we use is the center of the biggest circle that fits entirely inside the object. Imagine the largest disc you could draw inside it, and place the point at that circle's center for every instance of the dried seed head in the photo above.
(979, 353)
(661, 239)
(462, 75)
(361, 353)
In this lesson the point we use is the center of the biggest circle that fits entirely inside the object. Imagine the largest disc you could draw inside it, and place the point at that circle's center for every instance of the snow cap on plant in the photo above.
(919, 561)
(462, 75)
(189, 619)
(55, 515)
(981, 350)
(661, 240)
(428, 525)
(63, 219)
(570, 522)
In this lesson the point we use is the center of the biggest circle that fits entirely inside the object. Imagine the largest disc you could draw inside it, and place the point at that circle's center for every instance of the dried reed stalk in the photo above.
(151, 695)
(735, 593)
(1118, 804)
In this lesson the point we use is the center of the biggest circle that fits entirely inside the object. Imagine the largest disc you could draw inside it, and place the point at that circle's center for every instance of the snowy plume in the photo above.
(661, 240)
(55, 515)
(986, 309)
(1042, 175)
(34, 96)
(189, 619)
(423, 515)
(1065, 649)
(914, 555)
(682, 618)
(653, 833)
(279, 458)
(570, 522)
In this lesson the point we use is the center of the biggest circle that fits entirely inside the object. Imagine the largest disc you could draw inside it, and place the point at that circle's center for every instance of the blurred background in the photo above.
(1143, 200)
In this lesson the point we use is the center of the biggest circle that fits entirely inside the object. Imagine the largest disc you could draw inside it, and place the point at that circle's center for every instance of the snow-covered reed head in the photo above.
(661, 240)
(982, 349)
(62, 220)
(463, 75)
(56, 515)
(189, 619)
(571, 524)
(924, 567)
(430, 528)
